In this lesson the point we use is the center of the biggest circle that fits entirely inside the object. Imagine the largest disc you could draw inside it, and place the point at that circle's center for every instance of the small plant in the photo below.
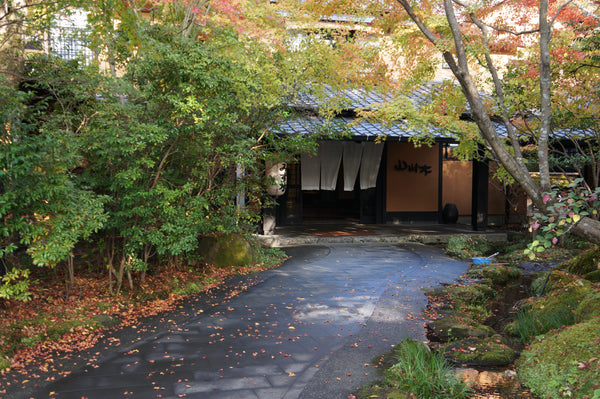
(192, 287)
(529, 324)
(15, 285)
(566, 207)
(266, 257)
(424, 373)
(4, 363)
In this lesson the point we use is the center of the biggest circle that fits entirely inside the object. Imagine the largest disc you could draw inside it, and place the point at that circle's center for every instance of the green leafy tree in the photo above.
(147, 156)
(44, 205)
(167, 156)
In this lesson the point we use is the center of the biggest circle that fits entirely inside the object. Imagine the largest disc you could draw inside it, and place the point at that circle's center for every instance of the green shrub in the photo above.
(465, 247)
(498, 274)
(269, 257)
(529, 324)
(15, 285)
(4, 363)
(424, 373)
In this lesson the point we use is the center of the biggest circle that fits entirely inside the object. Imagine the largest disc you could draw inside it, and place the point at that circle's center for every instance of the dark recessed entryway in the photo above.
(298, 206)
(335, 205)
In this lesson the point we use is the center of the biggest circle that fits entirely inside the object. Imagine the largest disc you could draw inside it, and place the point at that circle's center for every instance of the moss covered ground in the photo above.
(565, 363)
(587, 262)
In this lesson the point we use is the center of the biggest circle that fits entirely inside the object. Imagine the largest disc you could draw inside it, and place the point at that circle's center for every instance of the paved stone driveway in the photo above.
(310, 330)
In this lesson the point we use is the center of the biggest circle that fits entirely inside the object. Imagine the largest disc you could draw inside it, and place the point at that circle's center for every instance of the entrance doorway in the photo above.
(334, 205)
(299, 206)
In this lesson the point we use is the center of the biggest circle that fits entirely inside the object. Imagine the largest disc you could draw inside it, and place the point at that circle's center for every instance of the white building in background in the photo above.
(67, 38)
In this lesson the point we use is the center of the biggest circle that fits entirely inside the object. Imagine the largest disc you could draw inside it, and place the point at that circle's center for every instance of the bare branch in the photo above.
(559, 10)
(586, 66)
(427, 32)
(496, 28)
(499, 92)
(521, 33)
(420, 24)
(162, 163)
(84, 121)
(8, 11)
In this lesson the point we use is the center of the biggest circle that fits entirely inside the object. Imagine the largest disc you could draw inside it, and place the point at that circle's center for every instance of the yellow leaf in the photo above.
(576, 218)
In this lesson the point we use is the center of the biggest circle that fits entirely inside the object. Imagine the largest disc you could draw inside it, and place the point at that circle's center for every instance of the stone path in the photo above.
(310, 330)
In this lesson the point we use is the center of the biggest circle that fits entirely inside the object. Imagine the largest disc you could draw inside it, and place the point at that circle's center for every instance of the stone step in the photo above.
(290, 240)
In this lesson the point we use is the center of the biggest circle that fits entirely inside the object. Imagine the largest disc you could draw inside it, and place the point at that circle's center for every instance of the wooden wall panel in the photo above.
(457, 185)
(412, 178)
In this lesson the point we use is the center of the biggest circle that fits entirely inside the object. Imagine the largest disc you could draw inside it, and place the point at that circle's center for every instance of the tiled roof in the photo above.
(356, 128)
(352, 99)
(308, 122)
(355, 99)
(349, 18)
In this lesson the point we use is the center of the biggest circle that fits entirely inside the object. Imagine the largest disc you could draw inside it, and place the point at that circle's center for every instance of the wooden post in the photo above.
(479, 204)
(440, 181)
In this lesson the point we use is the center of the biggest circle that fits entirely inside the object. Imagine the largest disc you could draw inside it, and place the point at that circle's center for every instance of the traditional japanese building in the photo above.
(376, 174)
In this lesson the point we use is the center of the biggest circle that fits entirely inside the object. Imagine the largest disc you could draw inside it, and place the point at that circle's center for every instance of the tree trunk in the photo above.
(147, 254)
(112, 272)
(118, 275)
(545, 104)
(71, 277)
(461, 71)
(130, 279)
